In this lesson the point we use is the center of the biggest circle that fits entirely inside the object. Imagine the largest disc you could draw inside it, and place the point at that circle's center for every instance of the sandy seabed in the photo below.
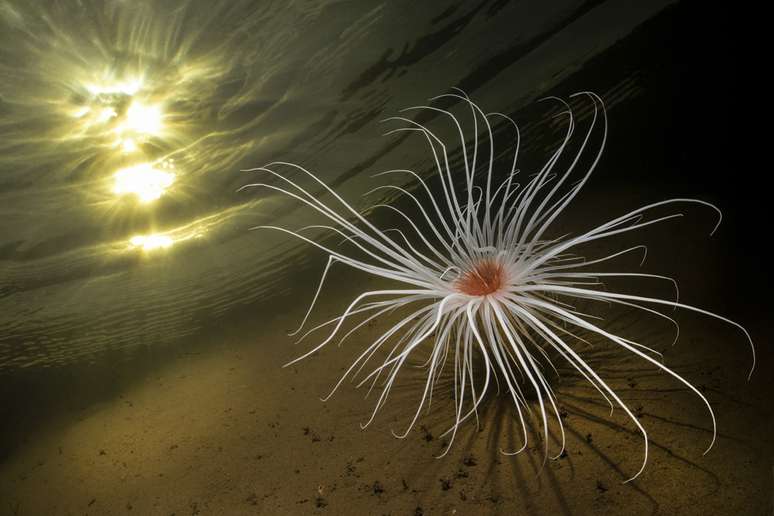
(227, 430)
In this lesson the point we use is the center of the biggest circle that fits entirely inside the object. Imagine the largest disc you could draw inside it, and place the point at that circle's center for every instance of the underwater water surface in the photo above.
(183, 96)
(130, 279)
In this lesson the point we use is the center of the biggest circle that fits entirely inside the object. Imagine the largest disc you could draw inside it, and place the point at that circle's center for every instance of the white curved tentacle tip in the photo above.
(249, 185)
(511, 454)
(446, 451)
(442, 95)
(562, 113)
(712, 443)
(720, 219)
(296, 360)
(551, 97)
(752, 350)
(589, 94)
(460, 90)
(398, 436)
(443, 453)
(642, 468)
(644, 255)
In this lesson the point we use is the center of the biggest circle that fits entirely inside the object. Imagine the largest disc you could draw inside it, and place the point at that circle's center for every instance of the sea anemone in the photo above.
(475, 274)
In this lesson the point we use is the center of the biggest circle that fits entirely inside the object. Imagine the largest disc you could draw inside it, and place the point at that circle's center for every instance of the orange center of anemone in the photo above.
(486, 277)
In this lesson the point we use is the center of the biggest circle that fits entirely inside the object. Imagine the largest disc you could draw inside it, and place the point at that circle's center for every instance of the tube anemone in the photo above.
(480, 278)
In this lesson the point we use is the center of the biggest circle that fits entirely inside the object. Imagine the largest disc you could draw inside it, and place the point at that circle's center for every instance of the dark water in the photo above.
(196, 91)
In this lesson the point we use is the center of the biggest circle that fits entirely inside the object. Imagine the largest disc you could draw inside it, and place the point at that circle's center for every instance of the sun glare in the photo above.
(125, 88)
(151, 242)
(144, 181)
(142, 119)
